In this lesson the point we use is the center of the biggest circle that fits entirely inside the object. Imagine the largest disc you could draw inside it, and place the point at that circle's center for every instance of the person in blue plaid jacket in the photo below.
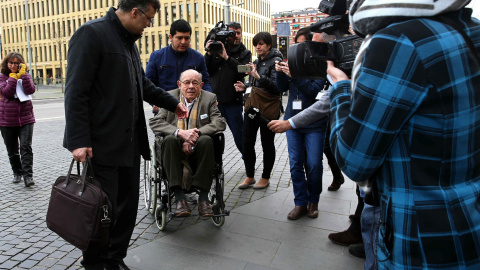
(410, 119)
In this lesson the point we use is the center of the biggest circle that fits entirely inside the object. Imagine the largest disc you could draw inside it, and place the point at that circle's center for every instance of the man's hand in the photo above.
(190, 135)
(207, 47)
(239, 86)
(181, 111)
(80, 154)
(279, 126)
(187, 148)
(223, 54)
(335, 73)
(155, 109)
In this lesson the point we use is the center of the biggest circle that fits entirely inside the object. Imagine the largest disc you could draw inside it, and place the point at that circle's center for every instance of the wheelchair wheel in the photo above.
(150, 187)
(218, 221)
(161, 217)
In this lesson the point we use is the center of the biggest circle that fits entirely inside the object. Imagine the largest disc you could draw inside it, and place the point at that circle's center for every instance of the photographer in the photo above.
(222, 68)
(262, 76)
(410, 119)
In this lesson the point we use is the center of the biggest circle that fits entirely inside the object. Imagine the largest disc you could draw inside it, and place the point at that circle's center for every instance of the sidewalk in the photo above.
(48, 92)
(256, 235)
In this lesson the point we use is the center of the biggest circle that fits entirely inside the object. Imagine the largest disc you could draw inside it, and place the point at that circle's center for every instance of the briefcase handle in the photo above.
(83, 176)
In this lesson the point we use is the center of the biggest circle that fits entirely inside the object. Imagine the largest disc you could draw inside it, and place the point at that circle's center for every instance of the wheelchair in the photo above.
(158, 197)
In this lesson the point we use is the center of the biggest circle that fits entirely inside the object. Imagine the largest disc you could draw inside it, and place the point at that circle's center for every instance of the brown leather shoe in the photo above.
(312, 211)
(297, 212)
(204, 209)
(345, 238)
(183, 210)
(248, 182)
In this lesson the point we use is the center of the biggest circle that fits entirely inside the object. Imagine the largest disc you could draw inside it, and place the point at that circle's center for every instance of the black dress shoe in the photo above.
(345, 238)
(17, 179)
(204, 209)
(28, 181)
(297, 212)
(120, 266)
(357, 250)
(183, 210)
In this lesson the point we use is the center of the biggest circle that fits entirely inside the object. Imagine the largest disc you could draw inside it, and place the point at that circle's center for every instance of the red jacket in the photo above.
(14, 113)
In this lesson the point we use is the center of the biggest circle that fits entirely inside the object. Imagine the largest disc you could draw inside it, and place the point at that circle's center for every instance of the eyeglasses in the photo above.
(195, 83)
(13, 63)
(150, 19)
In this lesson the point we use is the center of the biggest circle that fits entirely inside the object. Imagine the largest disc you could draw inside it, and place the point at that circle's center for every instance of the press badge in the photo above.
(249, 89)
(320, 95)
(297, 104)
(203, 116)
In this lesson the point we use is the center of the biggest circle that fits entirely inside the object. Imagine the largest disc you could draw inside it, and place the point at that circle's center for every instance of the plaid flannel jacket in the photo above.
(413, 123)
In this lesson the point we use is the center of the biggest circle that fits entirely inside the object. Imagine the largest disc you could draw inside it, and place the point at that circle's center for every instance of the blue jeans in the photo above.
(233, 114)
(369, 221)
(311, 141)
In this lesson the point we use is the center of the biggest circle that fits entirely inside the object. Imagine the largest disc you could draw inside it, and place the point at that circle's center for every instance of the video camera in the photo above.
(218, 35)
(308, 59)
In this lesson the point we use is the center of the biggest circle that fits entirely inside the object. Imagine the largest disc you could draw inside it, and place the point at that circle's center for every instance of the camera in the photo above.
(308, 59)
(218, 35)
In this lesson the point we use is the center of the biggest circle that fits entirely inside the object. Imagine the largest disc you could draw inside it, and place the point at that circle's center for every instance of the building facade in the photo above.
(51, 23)
(298, 19)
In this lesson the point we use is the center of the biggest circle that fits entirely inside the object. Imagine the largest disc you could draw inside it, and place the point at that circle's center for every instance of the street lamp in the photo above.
(227, 10)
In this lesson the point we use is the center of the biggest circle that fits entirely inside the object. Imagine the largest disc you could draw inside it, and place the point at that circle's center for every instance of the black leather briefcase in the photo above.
(79, 211)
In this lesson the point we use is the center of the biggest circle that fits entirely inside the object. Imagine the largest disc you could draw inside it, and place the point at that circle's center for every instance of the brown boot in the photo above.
(345, 238)
(312, 211)
(297, 212)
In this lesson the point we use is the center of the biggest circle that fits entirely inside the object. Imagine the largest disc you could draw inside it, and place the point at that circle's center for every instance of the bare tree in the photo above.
(59, 38)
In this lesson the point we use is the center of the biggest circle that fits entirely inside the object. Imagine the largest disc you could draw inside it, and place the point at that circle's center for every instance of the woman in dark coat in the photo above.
(16, 117)
(261, 76)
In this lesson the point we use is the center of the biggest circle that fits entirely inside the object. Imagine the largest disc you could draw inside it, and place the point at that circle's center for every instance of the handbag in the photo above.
(268, 104)
(79, 210)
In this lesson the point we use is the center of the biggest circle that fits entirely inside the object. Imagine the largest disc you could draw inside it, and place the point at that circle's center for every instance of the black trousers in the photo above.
(355, 227)
(249, 137)
(16, 138)
(122, 187)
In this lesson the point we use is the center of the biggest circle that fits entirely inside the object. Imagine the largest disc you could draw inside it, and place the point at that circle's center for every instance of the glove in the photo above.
(23, 70)
(14, 75)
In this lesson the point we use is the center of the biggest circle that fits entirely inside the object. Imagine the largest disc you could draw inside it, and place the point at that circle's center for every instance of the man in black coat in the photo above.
(222, 68)
(104, 113)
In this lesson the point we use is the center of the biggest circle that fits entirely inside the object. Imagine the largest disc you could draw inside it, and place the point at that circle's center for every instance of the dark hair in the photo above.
(180, 26)
(265, 36)
(5, 69)
(128, 5)
(234, 25)
(304, 32)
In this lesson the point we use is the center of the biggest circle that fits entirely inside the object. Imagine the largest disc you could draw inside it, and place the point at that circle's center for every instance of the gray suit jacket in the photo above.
(209, 118)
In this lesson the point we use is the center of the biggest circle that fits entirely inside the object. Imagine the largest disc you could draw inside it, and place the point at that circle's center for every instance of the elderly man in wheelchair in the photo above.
(187, 149)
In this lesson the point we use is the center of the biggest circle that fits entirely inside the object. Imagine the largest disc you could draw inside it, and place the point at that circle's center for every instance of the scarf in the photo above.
(369, 16)
(183, 124)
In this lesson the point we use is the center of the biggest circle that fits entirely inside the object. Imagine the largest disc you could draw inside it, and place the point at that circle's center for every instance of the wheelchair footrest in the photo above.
(224, 213)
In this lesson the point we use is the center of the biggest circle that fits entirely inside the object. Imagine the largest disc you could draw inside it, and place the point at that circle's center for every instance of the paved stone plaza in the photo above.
(26, 242)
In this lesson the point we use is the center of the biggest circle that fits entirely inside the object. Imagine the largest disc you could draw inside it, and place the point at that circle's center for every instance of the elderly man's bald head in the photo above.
(190, 84)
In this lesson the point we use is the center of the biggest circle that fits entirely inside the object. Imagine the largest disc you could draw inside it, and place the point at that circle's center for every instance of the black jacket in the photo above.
(266, 70)
(103, 61)
(223, 73)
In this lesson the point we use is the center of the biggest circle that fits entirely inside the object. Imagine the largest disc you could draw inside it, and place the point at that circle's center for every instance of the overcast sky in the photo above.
(285, 5)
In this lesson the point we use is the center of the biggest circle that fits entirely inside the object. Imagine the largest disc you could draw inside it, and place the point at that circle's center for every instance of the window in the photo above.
(181, 11)
(174, 13)
(197, 43)
(196, 12)
(160, 41)
(147, 51)
(140, 45)
(189, 12)
(153, 44)
(166, 15)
